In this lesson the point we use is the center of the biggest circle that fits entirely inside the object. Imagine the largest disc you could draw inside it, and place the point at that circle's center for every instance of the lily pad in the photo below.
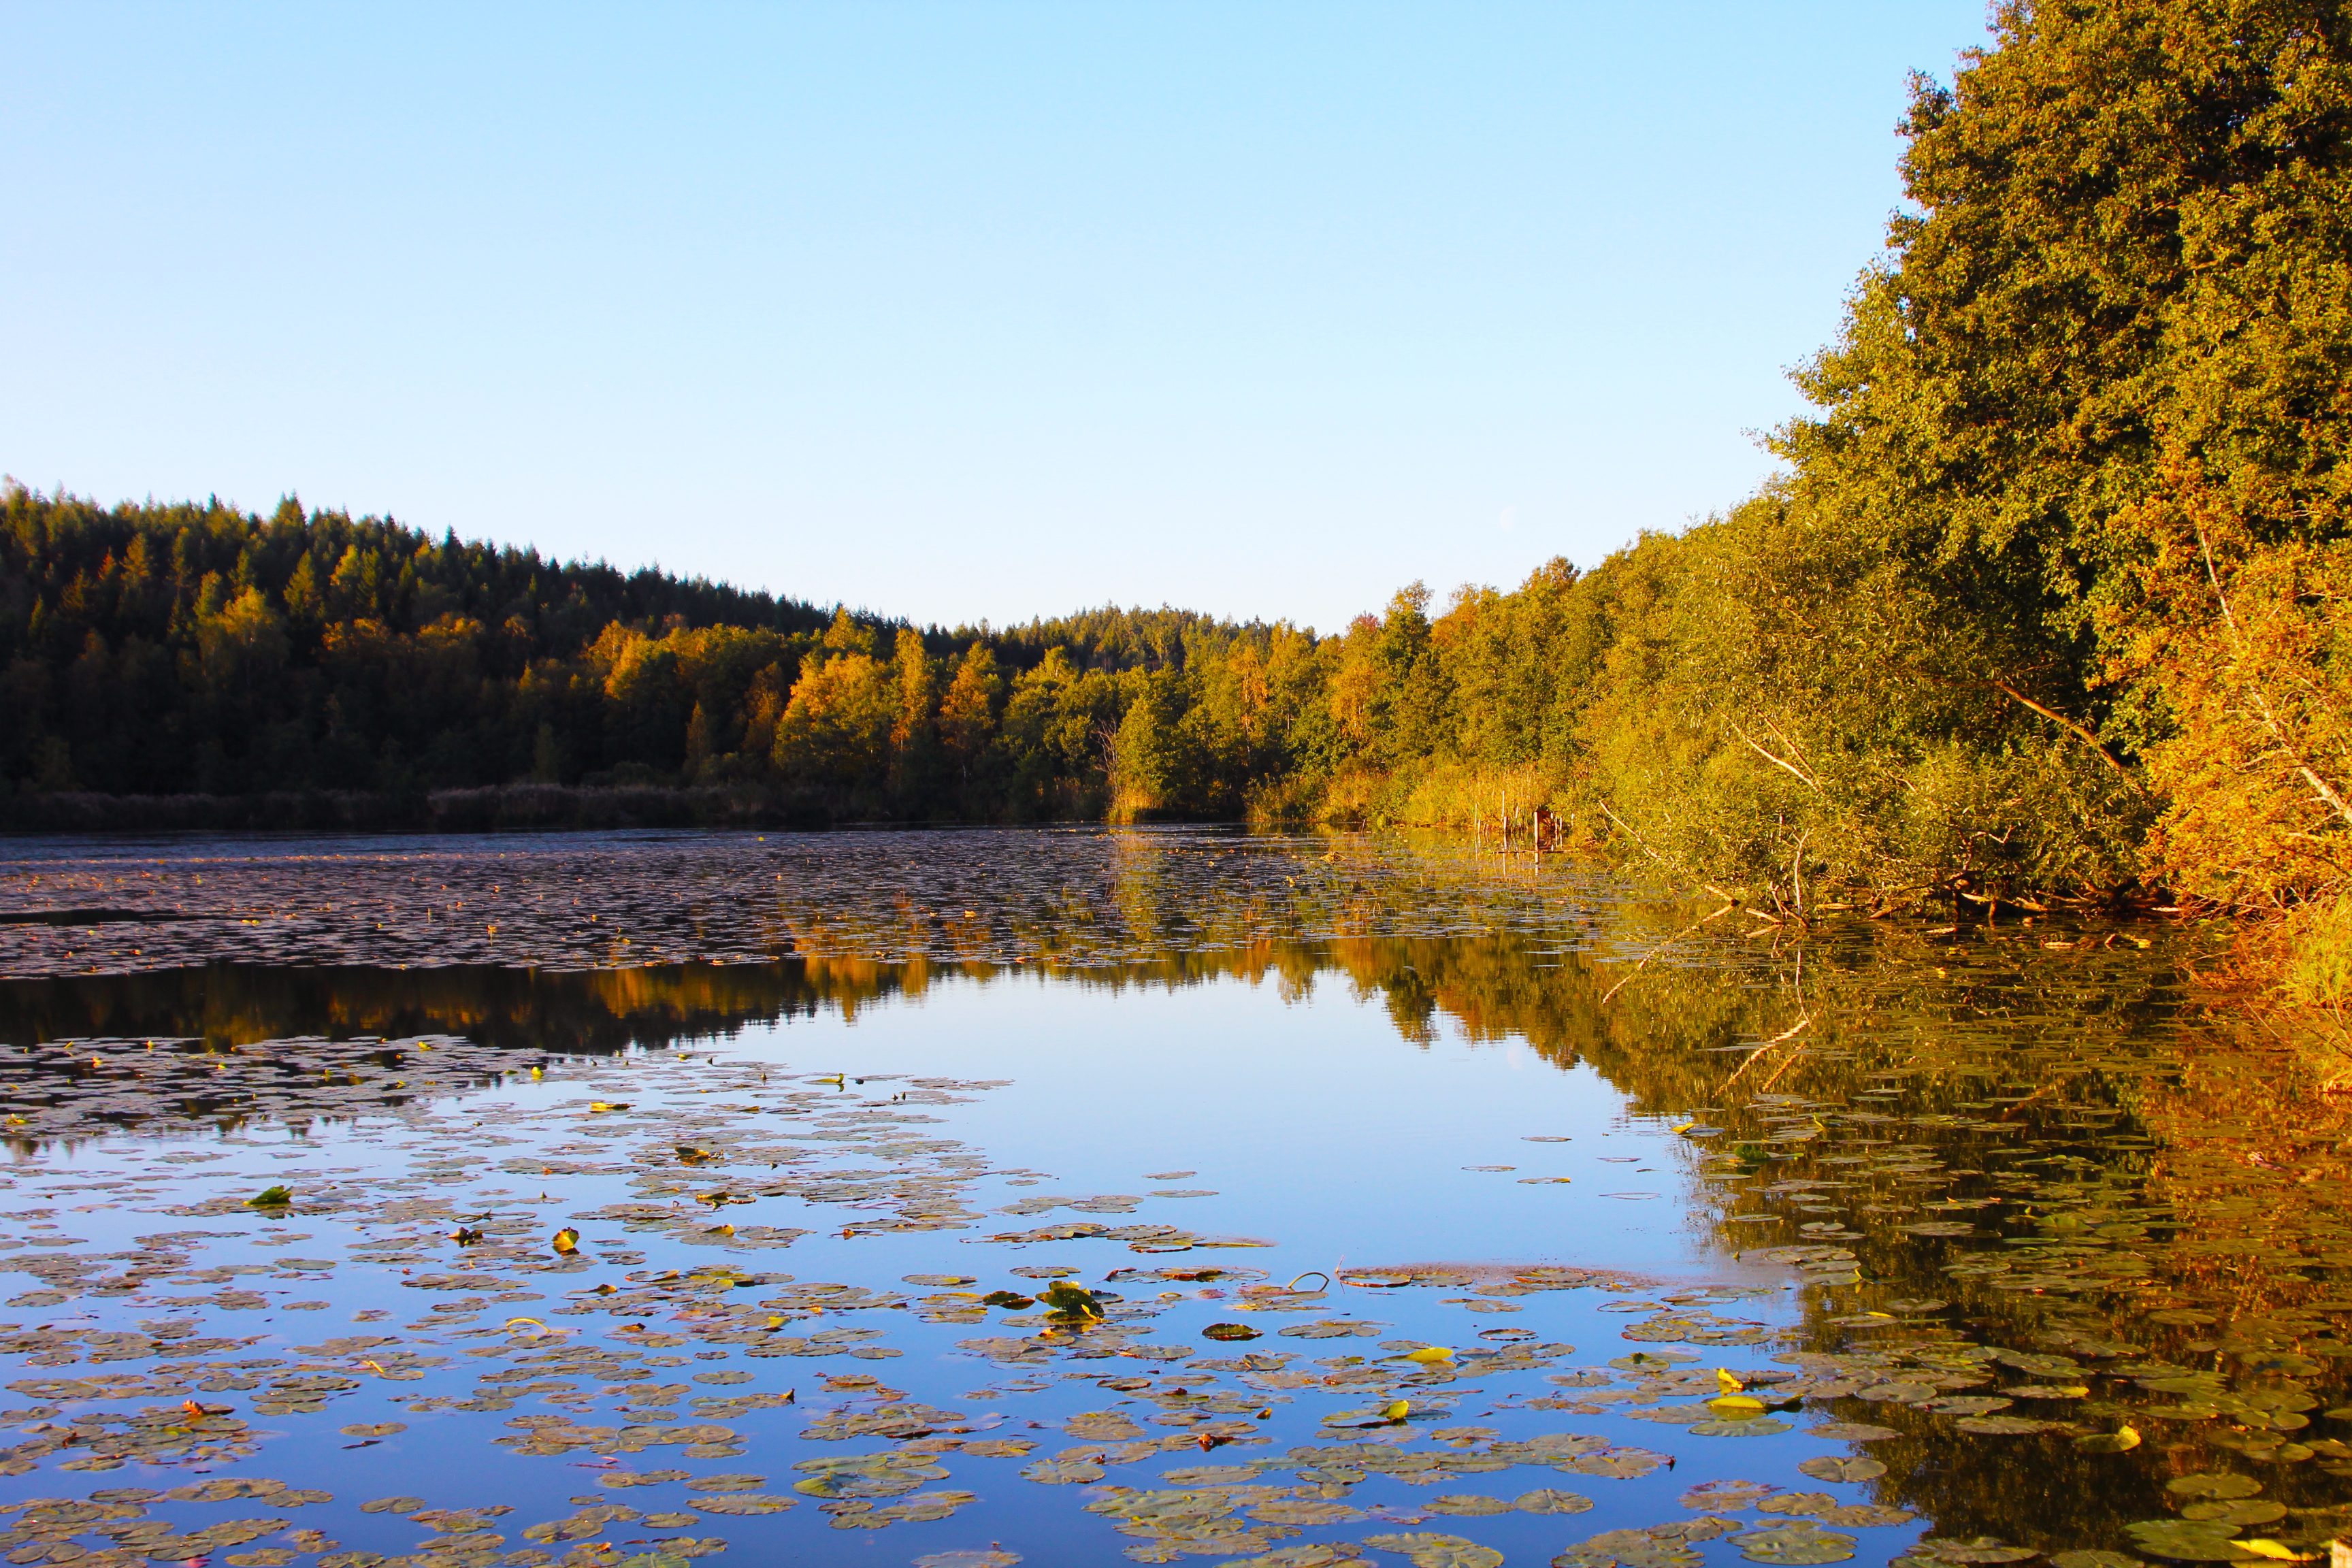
(2188, 1540)
(1062, 1472)
(1428, 1549)
(2213, 1484)
(1796, 1545)
(1851, 1431)
(1841, 1468)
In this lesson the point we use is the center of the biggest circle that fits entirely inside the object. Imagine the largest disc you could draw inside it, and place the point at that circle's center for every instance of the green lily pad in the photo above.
(1803, 1544)
(2241, 1511)
(2188, 1540)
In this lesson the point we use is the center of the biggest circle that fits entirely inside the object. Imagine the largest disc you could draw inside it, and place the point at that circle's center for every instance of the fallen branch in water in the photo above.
(1787, 1034)
(1729, 905)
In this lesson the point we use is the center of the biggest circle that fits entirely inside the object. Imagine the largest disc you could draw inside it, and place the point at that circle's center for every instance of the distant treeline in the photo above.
(2055, 594)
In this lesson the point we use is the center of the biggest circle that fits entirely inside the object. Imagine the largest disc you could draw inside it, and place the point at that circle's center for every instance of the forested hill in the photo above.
(196, 650)
(2054, 595)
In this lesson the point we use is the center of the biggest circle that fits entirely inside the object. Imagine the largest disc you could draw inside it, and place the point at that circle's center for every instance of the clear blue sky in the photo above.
(949, 311)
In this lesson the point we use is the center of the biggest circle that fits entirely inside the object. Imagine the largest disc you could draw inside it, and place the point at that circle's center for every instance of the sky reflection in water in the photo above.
(1985, 1206)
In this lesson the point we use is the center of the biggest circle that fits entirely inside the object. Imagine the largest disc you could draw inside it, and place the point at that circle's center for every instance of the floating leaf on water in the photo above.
(743, 1504)
(2240, 1511)
(1305, 1512)
(1796, 1545)
(1428, 1549)
(939, 1282)
(2000, 1426)
(1468, 1505)
(2188, 1540)
(1727, 1494)
(566, 1241)
(1072, 1301)
(2093, 1560)
(1617, 1464)
(1209, 1475)
(1429, 1354)
(1841, 1468)
(1228, 1331)
(1062, 1472)
(2213, 1484)
(970, 1557)
(1317, 1554)
(2121, 1440)
(1330, 1327)
(1551, 1500)
(270, 1199)
(1797, 1503)
(1982, 1549)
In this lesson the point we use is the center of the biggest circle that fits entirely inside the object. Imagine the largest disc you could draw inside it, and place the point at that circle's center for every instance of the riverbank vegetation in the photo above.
(2049, 601)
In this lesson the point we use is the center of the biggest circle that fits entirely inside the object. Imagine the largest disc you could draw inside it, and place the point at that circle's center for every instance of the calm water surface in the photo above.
(1067, 1197)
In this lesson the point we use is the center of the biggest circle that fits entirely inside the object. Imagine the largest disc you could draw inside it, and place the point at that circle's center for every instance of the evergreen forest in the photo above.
(2048, 601)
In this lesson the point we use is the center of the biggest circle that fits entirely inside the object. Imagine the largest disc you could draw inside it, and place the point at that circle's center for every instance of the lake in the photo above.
(962, 1198)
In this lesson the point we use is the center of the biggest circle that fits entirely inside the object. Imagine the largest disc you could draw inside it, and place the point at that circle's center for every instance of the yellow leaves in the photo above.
(1736, 1404)
(1396, 1411)
(598, 1107)
(1430, 1355)
(566, 1241)
(2263, 1546)
(1726, 1383)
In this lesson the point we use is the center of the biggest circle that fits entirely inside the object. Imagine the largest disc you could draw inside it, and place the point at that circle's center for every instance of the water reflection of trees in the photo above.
(2134, 1157)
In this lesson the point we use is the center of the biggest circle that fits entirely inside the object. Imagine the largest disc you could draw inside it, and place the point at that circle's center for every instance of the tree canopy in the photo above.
(2050, 595)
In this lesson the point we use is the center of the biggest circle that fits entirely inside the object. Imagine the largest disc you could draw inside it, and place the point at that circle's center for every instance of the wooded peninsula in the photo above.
(2048, 602)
